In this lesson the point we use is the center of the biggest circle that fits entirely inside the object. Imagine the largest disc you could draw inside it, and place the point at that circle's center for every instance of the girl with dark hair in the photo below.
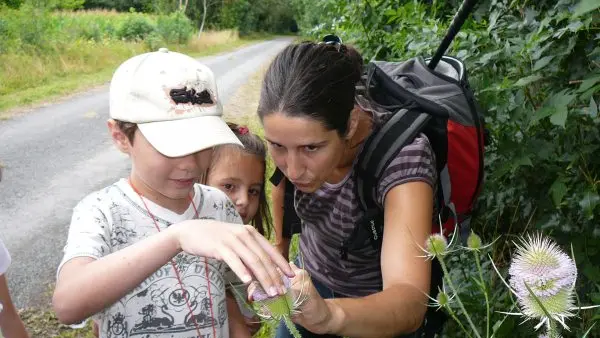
(316, 123)
(240, 173)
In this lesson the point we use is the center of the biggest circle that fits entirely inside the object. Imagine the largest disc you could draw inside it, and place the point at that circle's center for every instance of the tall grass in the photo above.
(44, 54)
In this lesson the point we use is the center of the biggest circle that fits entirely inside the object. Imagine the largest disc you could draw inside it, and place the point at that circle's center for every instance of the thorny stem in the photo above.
(291, 327)
(453, 315)
(463, 268)
(485, 294)
(462, 307)
(552, 329)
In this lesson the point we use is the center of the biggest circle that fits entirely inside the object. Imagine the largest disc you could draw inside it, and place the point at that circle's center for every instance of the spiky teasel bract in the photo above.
(542, 277)
(437, 245)
(281, 307)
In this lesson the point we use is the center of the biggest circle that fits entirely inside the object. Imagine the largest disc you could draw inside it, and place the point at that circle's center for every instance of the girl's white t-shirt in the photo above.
(4, 258)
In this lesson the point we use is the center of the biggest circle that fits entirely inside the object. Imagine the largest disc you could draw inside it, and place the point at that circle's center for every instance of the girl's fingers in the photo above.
(260, 263)
(274, 255)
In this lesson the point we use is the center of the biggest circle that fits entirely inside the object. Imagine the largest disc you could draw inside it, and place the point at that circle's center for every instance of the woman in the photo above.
(315, 124)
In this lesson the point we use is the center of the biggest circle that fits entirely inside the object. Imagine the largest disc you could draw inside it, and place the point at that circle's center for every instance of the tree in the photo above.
(183, 5)
(205, 5)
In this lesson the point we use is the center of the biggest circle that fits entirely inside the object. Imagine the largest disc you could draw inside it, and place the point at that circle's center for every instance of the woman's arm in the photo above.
(401, 306)
(10, 322)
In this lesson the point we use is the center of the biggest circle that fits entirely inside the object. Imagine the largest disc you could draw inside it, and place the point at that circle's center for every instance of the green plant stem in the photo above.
(462, 307)
(291, 327)
(453, 315)
(485, 294)
(552, 330)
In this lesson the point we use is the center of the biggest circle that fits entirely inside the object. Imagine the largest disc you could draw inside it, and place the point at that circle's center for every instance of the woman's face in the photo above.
(303, 149)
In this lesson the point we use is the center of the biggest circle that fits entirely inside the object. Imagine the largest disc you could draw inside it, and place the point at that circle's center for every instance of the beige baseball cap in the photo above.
(174, 101)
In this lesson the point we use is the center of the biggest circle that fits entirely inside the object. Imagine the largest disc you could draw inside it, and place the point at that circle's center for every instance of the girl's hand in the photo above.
(247, 252)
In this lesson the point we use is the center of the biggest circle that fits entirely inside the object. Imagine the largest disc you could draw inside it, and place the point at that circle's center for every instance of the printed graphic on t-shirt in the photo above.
(164, 307)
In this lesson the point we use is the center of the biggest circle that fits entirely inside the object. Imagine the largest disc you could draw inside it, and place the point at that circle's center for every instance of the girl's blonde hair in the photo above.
(253, 145)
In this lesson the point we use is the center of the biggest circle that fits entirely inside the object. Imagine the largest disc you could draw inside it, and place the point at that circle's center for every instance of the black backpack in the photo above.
(439, 104)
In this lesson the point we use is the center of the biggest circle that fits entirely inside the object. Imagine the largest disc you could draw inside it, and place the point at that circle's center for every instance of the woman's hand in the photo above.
(253, 324)
(311, 311)
(314, 313)
(247, 252)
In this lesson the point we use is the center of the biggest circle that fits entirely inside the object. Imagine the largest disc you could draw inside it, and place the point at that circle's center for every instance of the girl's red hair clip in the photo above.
(243, 130)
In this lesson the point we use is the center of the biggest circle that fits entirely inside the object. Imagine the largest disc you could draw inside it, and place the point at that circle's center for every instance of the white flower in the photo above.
(543, 277)
(549, 273)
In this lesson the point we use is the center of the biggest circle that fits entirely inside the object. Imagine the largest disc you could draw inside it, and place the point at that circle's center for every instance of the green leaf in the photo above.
(489, 56)
(557, 104)
(591, 271)
(521, 161)
(590, 92)
(543, 62)
(588, 83)
(586, 6)
(593, 108)
(575, 26)
(560, 117)
(524, 81)
(558, 190)
(589, 202)
(390, 12)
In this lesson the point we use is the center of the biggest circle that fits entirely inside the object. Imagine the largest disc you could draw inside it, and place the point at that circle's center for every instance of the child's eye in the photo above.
(228, 186)
(254, 192)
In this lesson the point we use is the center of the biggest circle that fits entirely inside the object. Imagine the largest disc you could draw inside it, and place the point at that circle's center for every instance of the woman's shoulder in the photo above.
(417, 154)
(414, 162)
(419, 144)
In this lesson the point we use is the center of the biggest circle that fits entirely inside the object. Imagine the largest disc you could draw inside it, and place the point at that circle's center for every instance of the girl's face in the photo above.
(241, 176)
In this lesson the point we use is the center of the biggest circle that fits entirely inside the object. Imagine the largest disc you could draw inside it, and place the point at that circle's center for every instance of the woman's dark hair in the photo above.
(313, 79)
(253, 145)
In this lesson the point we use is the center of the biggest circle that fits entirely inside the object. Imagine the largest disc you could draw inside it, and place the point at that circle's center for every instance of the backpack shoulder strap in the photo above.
(379, 150)
(277, 176)
(382, 147)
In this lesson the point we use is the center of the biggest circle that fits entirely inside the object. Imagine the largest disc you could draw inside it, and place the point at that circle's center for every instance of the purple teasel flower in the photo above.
(543, 277)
